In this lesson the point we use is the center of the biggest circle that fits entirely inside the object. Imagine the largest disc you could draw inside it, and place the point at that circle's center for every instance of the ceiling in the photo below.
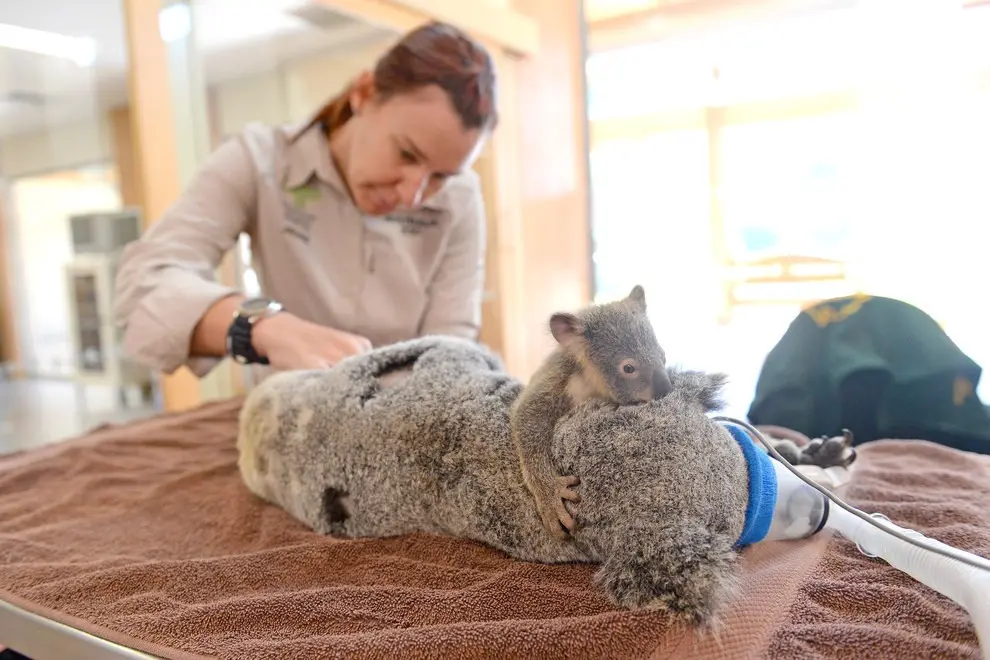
(933, 53)
(602, 10)
(234, 38)
(617, 24)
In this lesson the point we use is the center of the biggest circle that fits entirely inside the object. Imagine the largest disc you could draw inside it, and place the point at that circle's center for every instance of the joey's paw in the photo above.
(553, 511)
(566, 493)
(565, 490)
(550, 515)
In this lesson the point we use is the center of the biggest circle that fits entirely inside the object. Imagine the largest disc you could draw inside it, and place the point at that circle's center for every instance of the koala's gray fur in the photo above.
(414, 437)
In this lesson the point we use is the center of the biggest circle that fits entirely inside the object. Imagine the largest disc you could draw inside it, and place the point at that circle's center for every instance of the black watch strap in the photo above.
(239, 341)
(239, 344)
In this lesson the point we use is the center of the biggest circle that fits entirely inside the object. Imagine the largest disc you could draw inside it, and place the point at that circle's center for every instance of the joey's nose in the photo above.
(661, 384)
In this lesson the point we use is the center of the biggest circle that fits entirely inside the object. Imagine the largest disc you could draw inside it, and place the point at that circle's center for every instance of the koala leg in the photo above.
(786, 448)
(836, 451)
(685, 569)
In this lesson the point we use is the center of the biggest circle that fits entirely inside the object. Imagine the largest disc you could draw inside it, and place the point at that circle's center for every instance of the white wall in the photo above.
(57, 148)
(293, 91)
(288, 93)
(42, 242)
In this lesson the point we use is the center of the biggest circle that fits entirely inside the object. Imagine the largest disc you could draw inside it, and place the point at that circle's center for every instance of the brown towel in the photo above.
(854, 602)
(144, 535)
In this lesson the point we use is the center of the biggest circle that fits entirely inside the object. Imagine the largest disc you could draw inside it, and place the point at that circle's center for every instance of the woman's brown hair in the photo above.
(432, 54)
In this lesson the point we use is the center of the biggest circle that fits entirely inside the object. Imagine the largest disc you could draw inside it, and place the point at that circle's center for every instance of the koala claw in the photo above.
(564, 490)
(556, 518)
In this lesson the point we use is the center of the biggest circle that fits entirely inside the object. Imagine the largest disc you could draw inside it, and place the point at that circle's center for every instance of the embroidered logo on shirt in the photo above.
(304, 194)
(300, 220)
(418, 221)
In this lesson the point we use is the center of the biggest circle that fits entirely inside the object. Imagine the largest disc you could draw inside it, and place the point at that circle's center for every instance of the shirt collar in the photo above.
(307, 155)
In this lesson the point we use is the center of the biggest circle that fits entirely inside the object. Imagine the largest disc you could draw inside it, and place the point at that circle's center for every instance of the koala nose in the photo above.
(661, 384)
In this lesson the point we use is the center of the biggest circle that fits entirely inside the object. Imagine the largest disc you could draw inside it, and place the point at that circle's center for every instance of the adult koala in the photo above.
(414, 437)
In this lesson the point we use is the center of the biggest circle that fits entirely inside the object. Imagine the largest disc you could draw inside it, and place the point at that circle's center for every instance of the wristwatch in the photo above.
(250, 311)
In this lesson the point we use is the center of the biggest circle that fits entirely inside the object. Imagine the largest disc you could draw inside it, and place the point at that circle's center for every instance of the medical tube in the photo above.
(967, 585)
(802, 508)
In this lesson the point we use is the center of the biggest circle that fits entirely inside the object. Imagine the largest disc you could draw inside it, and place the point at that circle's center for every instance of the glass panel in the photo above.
(777, 170)
(66, 151)
(836, 171)
(64, 134)
(277, 61)
(650, 220)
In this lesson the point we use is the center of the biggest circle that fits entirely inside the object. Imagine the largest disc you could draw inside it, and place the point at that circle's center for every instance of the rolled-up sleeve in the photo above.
(166, 280)
(455, 292)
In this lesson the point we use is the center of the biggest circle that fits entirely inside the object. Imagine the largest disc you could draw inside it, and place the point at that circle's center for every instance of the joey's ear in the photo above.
(566, 328)
(638, 296)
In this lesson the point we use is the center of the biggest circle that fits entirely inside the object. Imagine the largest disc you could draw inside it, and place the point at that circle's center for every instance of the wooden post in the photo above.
(551, 158)
(128, 172)
(536, 184)
(715, 123)
(155, 154)
(9, 344)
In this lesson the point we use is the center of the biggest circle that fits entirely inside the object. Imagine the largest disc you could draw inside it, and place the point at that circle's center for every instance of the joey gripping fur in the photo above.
(414, 437)
(606, 352)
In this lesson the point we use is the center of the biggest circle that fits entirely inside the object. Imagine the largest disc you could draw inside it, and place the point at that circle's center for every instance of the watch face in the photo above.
(254, 306)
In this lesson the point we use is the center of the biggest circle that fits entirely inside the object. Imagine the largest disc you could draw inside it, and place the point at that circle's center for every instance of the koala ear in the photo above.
(702, 387)
(638, 296)
(566, 328)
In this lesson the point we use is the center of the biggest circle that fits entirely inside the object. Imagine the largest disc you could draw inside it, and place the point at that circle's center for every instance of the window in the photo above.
(875, 158)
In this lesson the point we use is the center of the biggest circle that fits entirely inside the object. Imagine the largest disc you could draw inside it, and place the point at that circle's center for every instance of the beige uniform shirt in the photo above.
(387, 278)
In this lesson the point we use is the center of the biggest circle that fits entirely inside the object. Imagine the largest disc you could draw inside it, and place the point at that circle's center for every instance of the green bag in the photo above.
(881, 368)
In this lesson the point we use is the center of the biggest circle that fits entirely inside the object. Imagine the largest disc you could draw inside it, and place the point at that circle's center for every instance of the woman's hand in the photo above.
(289, 342)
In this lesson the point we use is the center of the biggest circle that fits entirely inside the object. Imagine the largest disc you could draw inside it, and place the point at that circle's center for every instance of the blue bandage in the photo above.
(762, 487)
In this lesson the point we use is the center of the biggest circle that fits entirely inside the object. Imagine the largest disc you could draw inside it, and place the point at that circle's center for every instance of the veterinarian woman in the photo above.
(366, 224)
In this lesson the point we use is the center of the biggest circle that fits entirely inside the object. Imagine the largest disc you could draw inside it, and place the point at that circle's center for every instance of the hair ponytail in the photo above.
(333, 114)
(432, 54)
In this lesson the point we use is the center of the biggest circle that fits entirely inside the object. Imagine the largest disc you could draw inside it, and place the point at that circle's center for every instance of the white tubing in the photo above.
(967, 585)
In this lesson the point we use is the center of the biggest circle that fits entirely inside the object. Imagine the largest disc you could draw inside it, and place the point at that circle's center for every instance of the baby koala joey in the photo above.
(604, 351)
